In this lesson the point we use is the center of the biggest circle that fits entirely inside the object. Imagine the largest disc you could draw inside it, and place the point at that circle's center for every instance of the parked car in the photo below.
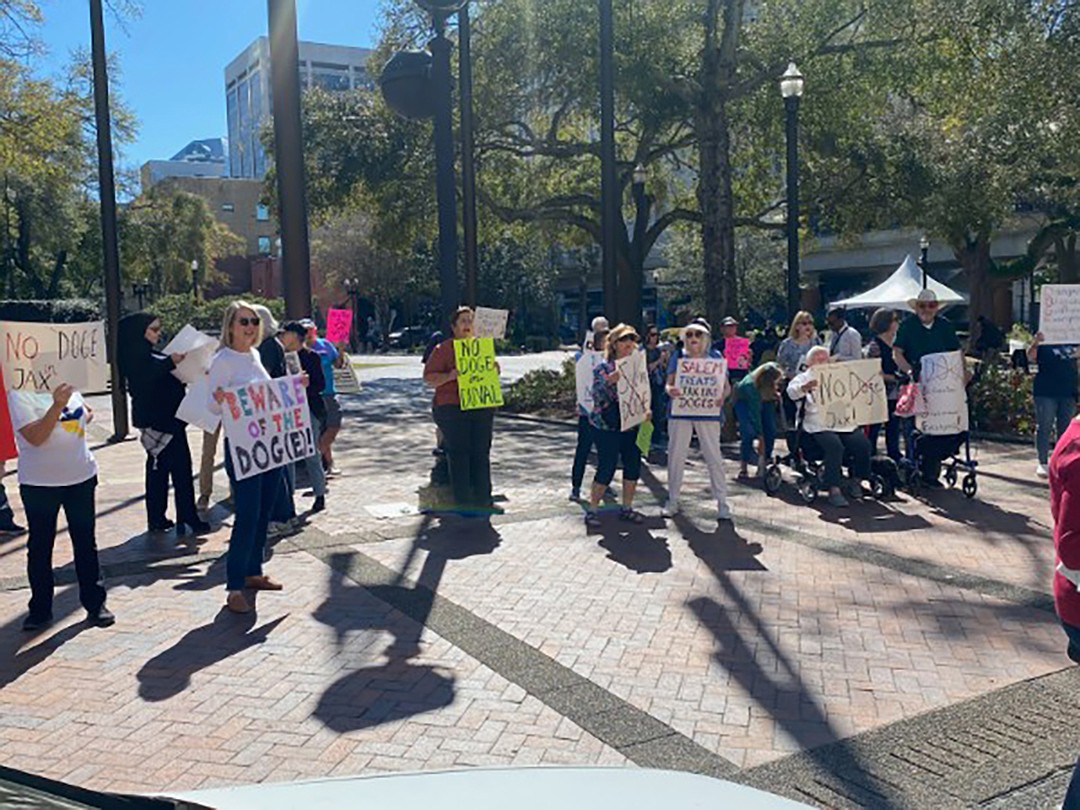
(408, 337)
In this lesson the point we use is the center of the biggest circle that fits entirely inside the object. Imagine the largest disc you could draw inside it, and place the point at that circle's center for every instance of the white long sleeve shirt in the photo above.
(231, 368)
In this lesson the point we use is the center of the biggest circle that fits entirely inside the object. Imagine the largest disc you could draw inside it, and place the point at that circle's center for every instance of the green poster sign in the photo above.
(478, 378)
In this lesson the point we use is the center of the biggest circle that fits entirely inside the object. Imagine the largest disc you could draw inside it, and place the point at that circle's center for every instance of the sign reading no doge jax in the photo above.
(37, 357)
(268, 425)
(478, 376)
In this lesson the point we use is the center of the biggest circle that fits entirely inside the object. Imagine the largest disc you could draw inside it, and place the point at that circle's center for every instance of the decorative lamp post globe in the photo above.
(791, 83)
(443, 7)
(406, 85)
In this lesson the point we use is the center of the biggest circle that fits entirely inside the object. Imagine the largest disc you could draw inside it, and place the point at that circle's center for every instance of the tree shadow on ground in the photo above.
(722, 549)
(20, 652)
(398, 687)
(169, 673)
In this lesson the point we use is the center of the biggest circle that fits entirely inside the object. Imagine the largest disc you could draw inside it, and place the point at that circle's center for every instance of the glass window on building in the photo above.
(262, 213)
(264, 245)
(244, 105)
(334, 78)
(234, 131)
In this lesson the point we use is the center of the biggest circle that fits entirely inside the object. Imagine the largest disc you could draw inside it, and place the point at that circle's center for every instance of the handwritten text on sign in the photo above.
(1059, 313)
(701, 382)
(268, 425)
(490, 322)
(635, 395)
(851, 394)
(941, 380)
(40, 356)
(737, 352)
(338, 325)
(478, 376)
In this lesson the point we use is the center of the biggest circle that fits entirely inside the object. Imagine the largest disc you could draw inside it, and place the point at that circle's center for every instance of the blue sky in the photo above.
(173, 58)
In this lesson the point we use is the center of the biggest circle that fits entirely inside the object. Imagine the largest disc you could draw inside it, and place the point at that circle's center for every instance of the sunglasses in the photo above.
(694, 334)
(248, 321)
(625, 338)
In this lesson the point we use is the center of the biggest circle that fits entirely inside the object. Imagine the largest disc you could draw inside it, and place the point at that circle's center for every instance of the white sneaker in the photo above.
(724, 514)
(1040, 471)
(670, 509)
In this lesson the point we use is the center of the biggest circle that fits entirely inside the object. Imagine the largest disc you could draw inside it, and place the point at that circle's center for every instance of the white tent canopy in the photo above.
(899, 288)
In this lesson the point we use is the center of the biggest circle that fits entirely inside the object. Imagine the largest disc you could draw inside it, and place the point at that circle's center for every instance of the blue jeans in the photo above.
(284, 509)
(1047, 409)
(747, 431)
(253, 500)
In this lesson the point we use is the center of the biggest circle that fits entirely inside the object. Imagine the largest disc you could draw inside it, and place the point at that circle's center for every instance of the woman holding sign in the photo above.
(696, 387)
(155, 396)
(611, 441)
(834, 444)
(467, 432)
(237, 363)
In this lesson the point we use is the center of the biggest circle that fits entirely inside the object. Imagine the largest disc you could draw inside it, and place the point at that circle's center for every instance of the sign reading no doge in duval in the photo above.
(478, 376)
(268, 425)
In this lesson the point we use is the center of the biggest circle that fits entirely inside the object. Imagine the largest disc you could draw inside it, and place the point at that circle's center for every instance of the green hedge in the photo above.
(177, 310)
(59, 310)
(545, 393)
(1001, 401)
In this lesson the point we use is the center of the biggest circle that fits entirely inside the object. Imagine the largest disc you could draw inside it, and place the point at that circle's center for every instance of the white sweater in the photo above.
(231, 368)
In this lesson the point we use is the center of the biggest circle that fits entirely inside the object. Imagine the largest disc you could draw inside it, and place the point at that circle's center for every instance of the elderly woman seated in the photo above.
(834, 445)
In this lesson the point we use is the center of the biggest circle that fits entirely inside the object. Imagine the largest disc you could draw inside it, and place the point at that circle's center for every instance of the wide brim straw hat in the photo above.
(924, 297)
(621, 331)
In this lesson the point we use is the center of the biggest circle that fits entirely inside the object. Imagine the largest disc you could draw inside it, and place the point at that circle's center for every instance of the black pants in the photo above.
(610, 445)
(892, 434)
(835, 447)
(467, 438)
(585, 442)
(42, 506)
(174, 461)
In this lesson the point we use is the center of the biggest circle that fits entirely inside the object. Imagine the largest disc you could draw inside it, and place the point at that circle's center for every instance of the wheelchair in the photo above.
(957, 467)
(806, 460)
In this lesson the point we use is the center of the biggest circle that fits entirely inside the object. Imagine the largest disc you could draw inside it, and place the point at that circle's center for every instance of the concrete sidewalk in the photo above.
(798, 650)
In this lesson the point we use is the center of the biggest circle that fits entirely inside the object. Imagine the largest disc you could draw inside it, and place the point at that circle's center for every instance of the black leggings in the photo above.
(467, 439)
(610, 445)
(585, 442)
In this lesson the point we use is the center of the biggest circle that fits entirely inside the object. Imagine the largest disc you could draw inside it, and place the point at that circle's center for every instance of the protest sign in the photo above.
(198, 350)
(292, 363)
(37, 357)
(490, 322)
(635, 395)
(478, 377)
(194, 407)
(1059, 313)
(644, 437)
(584, 372)
(941, 382)
(345, 379)
(701, 382)
(737, 353)
(850, 394)
(338, 325)
(268, 425)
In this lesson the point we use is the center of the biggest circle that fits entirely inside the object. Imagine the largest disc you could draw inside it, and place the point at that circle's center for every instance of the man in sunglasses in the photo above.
(925, 334)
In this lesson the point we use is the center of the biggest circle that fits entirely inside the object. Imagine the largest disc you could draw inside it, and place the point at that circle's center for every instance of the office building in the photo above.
(335, 68)
(208, 157)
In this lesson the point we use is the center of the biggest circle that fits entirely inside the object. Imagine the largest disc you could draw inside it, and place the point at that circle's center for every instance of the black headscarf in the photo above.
(131, 341)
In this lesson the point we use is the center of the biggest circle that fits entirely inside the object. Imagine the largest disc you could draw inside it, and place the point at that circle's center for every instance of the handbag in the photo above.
(910, 400)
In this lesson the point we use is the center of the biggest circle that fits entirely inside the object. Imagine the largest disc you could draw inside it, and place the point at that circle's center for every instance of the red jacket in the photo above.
(1065, 507)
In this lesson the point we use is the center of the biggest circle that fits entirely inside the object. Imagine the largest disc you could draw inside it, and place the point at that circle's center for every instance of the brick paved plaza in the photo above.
(900, 654)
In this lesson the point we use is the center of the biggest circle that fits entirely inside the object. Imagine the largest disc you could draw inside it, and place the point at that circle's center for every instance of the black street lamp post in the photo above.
(352, 287)
(791, 88)
(107, 196)
(924, 250)
(631, 283)
(195, 279)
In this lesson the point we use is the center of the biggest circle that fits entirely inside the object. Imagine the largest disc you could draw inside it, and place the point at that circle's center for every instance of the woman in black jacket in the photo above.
(155, 395)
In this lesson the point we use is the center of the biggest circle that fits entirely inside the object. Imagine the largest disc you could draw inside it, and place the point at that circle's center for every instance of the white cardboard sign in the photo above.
(490, 322)
(1059, 313)
(584, 372)
(635, 395)
(851, 394)
(198, 350)
(268, 425)
(37, 357)
(702, 383)
(941, 383)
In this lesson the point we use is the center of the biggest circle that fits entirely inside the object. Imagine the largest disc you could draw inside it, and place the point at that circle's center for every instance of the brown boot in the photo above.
(262, 583)
(236, 602)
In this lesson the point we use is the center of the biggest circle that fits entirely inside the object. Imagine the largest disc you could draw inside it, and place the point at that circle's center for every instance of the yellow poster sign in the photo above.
(478, 377)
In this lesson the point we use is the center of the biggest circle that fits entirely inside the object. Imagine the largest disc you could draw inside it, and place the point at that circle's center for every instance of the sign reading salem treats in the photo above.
(478, 375)
(268, 425)
(851, 394)
(37, 357)
(701, 382)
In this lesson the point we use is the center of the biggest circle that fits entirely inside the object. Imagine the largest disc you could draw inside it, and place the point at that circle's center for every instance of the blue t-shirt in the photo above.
(673, 366)
(1057, 375)
(328, 355)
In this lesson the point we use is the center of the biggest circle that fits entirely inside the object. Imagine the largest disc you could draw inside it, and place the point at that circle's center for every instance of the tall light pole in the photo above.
(468, 156)
(195, 279)
(924, 251)
(289, 156)
(107, 195)
(791, 88)
(609, 188)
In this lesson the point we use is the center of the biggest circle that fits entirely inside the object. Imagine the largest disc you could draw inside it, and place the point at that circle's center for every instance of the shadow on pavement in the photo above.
(17, 657)
(634, 546)
(169, 673)
(399, 687)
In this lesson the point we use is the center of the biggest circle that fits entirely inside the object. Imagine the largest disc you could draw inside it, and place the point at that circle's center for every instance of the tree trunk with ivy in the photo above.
(974, 257)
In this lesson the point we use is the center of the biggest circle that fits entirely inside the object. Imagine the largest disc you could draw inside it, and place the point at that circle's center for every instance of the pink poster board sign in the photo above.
(338, 325)
(737, 352)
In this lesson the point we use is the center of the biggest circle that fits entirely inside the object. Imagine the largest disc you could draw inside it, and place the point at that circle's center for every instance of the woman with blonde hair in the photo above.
(237, 363)
(612, 442)
(802, 337)
(697, 338)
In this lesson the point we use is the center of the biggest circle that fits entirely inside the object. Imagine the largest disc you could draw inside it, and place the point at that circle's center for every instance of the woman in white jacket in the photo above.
(834, 444)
